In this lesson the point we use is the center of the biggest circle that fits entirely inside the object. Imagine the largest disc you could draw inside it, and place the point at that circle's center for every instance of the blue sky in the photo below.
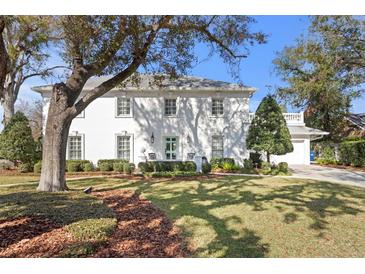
(257, 69)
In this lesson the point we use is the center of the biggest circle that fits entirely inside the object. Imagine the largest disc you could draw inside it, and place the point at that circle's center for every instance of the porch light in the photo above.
(152, 138)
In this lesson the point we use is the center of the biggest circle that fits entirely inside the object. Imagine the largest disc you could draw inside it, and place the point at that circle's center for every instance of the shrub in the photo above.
(352, 153)
(218, 163)
(111, 161)
(145, 167)
(173, 174)
(118, 167)
(73, 167)
(88, 167)
(206, 168)
(37, 167)
(248, 164)
(283, 167)
(228, 166)
(167, 166)
(25, 167)
(265, 168)
(105, 166)
(127, 169)
(5, 165)
(189, 166)
(255, 157)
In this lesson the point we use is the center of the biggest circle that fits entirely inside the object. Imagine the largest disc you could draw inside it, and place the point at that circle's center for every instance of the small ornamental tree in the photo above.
(16, 141)
(268, 131)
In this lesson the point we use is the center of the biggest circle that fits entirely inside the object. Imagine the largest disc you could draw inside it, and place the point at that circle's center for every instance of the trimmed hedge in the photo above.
(111, 161)
(76, 165)
(220, 162)
(353, 153)
(206, 168)
(163, 166)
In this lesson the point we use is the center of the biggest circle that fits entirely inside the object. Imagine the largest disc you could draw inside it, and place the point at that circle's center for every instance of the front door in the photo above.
(171, 148)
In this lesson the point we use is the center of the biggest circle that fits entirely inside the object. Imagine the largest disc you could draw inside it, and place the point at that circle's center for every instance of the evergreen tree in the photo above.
(16, 141)
(268, 131)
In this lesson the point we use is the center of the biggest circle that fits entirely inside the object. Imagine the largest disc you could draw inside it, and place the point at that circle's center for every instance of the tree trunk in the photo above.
(8, 106)
(55, 142)
(268, 157)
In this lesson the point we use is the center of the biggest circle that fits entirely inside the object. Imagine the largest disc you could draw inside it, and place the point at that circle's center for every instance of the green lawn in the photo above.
(226, 216)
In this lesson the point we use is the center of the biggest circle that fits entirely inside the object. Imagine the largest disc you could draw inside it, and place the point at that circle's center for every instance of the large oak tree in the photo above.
(325, 71)
(119, 46)
(23, 55)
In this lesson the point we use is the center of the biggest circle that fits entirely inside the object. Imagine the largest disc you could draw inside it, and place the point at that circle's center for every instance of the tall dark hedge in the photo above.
(268, 131)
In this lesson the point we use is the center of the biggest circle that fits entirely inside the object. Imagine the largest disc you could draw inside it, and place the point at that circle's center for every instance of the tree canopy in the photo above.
(268, 131)
(325, 71)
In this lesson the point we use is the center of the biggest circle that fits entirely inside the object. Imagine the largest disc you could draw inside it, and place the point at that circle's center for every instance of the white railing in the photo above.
(290, 118)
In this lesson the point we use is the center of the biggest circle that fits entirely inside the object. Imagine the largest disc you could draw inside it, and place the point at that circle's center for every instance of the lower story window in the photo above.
(171, 148)
(75, 148)
(124, 147)
(217, 146)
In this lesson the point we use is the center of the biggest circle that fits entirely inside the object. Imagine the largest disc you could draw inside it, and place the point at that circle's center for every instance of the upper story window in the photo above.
(217, 107)
(170, 107)
(124, 107)
(75, 147)
(217, 146)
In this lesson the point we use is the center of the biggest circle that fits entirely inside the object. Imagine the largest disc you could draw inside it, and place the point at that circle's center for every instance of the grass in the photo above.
(219, 216)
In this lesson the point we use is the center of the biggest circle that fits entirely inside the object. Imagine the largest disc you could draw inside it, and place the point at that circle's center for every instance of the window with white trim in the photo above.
(217, 107)
(75, 148)
(124, 106)
(124, 147)
(170, 107)
(171, 148)
(217, 146)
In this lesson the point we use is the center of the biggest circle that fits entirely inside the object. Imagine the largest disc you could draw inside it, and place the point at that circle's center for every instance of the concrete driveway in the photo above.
(329, 174)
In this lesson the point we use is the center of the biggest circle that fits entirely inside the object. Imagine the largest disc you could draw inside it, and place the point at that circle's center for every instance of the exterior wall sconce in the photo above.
(152, 138)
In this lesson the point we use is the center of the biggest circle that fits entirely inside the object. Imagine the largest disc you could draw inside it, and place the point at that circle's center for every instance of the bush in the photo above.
(88, 167)
(78, 165)
(283, 167)
(265, 168)
(127, 168)
(111, 161)
(218, 163)
(173, 174)
(105, 166)
(255, 157)
(25, 167)
(353, 153)
(206, 168)
(37, 167)
(248, 164)
(117, 166)
(167, 166)
(145, 167)
(73, 167)
(5, 165)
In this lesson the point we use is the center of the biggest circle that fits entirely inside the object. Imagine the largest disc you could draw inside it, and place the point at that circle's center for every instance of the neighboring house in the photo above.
(183, 119)
(355, 125)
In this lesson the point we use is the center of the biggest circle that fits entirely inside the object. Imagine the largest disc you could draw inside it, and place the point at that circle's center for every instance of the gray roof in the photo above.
(357, 119)
(303, 130)
(148, 82)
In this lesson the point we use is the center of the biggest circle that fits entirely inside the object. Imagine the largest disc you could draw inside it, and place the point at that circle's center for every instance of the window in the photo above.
(124, 106)
(124, 147)
(171, 148)
(217, 146)
(74, 148)
(217, 107)
(170, 107)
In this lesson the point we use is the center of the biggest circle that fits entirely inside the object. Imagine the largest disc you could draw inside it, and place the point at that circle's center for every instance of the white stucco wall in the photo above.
(100, 126)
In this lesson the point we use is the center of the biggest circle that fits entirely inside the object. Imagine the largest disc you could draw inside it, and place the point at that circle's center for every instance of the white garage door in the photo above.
(297, 157)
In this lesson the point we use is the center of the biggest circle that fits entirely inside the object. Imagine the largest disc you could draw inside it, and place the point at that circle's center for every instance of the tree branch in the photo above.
(43, 72)
(3, 57)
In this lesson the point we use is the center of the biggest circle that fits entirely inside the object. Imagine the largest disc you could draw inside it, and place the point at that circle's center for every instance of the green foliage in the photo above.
(353, 153)
(324, 71)
(76, 165)
(105, 166)
(88, 167)
(162, 166)
(127, 168)
(265, 168)
(248, 164)
(283, 167)
(206, 168)
(111, 162)
(218, 163)
(172, 174)
(73, 167)
(255, 157)
(5, 166)
(118, 167)
(268, 131)
(25, 167)
(16, 141)
(37, 167)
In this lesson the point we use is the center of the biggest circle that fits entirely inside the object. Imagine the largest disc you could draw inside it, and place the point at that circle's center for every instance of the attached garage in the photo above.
(301, 137)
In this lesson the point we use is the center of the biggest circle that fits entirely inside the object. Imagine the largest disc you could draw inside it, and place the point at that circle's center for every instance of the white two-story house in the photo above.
(183, 119)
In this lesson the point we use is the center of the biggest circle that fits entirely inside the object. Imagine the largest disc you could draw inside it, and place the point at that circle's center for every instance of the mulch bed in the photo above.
(32, 237)
(142, 230)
